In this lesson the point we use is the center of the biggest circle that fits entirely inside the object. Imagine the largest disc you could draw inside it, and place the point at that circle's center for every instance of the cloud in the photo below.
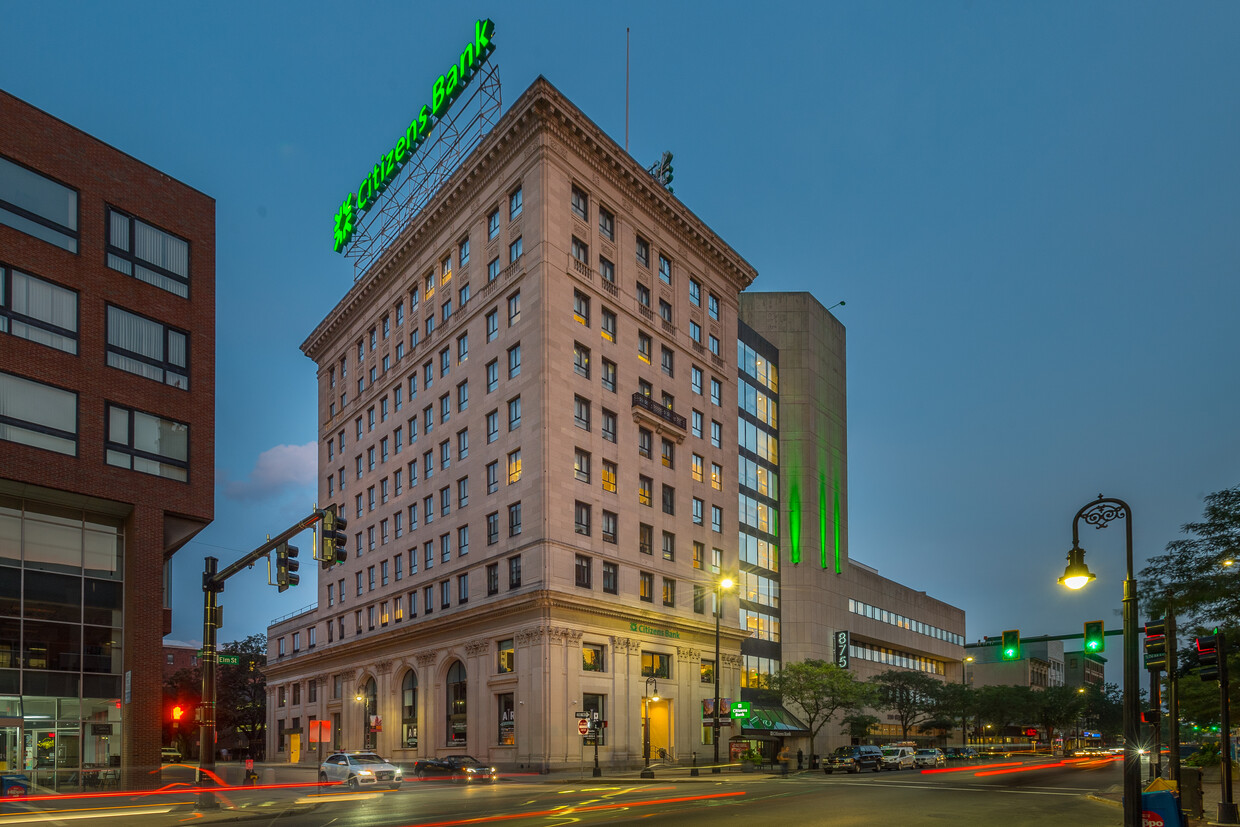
(277, 470)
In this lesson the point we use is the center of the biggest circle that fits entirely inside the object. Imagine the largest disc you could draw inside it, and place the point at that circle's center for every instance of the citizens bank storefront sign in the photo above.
(650, 630)
(444, 91)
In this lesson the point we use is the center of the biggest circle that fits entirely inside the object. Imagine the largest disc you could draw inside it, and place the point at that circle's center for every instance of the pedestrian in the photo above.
(800, 758)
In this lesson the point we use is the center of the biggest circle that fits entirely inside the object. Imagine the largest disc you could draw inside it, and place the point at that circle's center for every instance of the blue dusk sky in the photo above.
(1031, 209)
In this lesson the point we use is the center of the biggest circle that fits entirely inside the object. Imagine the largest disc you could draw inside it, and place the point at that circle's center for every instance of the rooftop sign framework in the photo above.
(446, 89)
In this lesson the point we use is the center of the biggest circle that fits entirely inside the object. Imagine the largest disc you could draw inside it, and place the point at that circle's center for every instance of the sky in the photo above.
(1031, 211)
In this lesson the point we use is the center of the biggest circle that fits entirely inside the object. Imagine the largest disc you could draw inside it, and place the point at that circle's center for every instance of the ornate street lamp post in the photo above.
(1100, 513)
(651, 695)
(720, 586)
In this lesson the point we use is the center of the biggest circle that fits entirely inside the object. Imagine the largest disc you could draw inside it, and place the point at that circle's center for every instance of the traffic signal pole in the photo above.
(1227, 807)
(212, 584)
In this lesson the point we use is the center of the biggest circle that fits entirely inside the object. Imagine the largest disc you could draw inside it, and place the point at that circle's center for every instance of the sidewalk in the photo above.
(1211, 795)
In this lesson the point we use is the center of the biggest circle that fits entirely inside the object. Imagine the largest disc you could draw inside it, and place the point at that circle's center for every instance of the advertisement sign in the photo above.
(708, 707)
(376, 723)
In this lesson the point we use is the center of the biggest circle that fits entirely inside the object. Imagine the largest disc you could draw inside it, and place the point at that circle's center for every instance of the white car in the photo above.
(898, 758)
(932, 757)
(359, 769)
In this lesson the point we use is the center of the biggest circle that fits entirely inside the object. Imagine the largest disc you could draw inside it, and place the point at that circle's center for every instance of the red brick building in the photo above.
(107, 440)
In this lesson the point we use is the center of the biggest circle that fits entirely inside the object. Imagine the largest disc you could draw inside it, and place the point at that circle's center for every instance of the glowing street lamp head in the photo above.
(1077, 574)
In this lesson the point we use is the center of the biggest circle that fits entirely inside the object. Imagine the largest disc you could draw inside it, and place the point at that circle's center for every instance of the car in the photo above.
(170, 755)
(897, 758)
(853, 759)
(961, 753)
(932, 757)
(455, 768)
(360, 769)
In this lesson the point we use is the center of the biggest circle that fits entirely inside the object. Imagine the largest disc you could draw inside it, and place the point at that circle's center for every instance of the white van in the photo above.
(898, 758)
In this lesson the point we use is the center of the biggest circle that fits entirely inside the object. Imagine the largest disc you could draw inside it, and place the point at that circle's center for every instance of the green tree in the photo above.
(819, 690)
(1104, 710)
(1004, 706)
(858, 725)
(1057, 708)
(911, 696)
(242, 690)
(1205, 591)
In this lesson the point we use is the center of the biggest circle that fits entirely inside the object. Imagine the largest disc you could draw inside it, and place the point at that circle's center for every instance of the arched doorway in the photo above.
(368, 698)
(409, 710)
(456, 688)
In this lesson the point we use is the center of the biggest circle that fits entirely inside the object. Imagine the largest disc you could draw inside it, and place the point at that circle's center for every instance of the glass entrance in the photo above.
(10, 749)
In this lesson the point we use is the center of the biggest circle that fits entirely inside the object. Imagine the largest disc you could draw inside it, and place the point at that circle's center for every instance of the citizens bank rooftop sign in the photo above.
(444, 91)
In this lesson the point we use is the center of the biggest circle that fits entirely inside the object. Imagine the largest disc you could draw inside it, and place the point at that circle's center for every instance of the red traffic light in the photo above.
(177, 712)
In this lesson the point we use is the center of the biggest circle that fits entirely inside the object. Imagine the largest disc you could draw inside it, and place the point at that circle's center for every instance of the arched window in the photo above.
(409, 708)
(456, 703)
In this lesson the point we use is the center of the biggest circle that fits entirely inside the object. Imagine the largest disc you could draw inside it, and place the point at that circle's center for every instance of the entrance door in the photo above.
(10, 749)
(661, 730)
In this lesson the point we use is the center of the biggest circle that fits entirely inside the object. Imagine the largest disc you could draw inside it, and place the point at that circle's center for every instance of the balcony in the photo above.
(658, 418)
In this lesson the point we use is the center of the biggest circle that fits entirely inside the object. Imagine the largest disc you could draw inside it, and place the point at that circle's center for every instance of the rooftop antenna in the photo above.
(626, 88)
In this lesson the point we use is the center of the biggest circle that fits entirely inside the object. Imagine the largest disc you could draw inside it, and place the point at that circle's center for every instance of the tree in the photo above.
(1191, 571)
(1104, 710)
(859, 724)
(912, 696)
(819, 690)
(1004, 706)
(1057, 708)
(242, 690)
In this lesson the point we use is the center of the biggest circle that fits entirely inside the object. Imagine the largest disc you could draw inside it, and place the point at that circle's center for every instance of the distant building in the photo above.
(177, 658)
(1084, 669)
(107, 440)
(1041, 665)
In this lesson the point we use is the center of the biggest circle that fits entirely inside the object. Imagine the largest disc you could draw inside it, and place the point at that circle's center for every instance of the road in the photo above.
(1024, 793)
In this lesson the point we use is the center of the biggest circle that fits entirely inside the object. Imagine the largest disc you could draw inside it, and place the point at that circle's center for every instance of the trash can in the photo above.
(1190, 791)
(14, 785)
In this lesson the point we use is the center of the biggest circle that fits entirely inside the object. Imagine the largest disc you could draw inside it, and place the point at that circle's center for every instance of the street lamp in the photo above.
(651, 695)
(720, 585)
(964, 714)
(1100, 513)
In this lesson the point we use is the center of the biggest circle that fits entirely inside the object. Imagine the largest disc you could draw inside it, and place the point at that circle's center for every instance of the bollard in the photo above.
(694, 771)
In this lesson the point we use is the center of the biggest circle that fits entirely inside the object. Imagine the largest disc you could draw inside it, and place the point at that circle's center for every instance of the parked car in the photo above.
(360, 769)
(455, 767)
(170, 755)
(897, 758)
(932, 757)
(853, 759)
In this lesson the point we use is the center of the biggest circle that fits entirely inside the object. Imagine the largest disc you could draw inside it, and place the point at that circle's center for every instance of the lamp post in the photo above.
(720, 585)
(1100, 513)
(964, 714)
(650, 695)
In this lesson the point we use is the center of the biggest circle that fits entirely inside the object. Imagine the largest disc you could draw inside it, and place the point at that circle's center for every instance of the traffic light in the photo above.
(1011, 645)
(1156, 645)
(1150, 716)
(1095, 637)
(332, 540)
(286, 566)
(178, 713)
(1207, 654)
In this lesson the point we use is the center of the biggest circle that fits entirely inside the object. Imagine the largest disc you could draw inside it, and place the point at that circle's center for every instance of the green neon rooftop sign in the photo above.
(444, 91)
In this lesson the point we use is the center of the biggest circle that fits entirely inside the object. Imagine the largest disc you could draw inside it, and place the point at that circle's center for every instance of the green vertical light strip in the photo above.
(822, 518)
(794, 523)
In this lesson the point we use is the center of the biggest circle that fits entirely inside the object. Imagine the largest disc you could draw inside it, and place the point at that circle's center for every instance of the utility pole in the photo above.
(212, 584)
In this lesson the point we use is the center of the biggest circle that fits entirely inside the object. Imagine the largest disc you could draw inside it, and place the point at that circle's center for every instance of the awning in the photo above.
(772, 720)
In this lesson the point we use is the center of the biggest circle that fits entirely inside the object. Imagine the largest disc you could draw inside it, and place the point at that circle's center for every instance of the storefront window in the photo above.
(409, 709)
(507, 719)
(456, 687)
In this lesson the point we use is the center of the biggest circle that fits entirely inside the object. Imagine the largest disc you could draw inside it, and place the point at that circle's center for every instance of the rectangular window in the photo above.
(492, 579)
(584, 572)
(462, 588)
(38, 206)
(643, 295)
(514, 361)
(609, 325)
(669, 453)
(514, 572)
(514, 308)
(514, 251)
(698, 468)
(716, 434)
(606, 224)
(492, 528)
(492, 369)
(147, 253)
(507, 657)
(669, 591)
(445, 594)
(643, 252)
(695, 333)
(669, 546)
(611, 578)
(462, 444)
(514, 413)
(666, 360)
(609, 530)
(609, 425)
(493, 269)
(608, 375)
(581, 307)
(607, 270)
(609, 476)
(462, 254)
(669, 499)
(147, 443)
(462, 541)
(656, 665)
(47, 313)
(665, 270)
(698, 507)
(462, 348)
(581, 359)
(695, 293)
(645, 591)
(581, 465)
(665, 311)
(716, 518)
(716, 476)
(644, 439)
(714, 345)
(644, 493)
(492, 420)
(514, 519)
(514, 204)
(462, 396)
(593, 657)
(581, 518)
(514, 466)
(645, 538)
(147, 348)
(581, 413)
(643, 347)
(492, 320)
(699, 599)
(492, 477)
(493, 224)
(580, 204)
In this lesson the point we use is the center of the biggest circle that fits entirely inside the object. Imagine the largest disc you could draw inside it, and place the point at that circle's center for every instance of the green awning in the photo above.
(772, 720)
